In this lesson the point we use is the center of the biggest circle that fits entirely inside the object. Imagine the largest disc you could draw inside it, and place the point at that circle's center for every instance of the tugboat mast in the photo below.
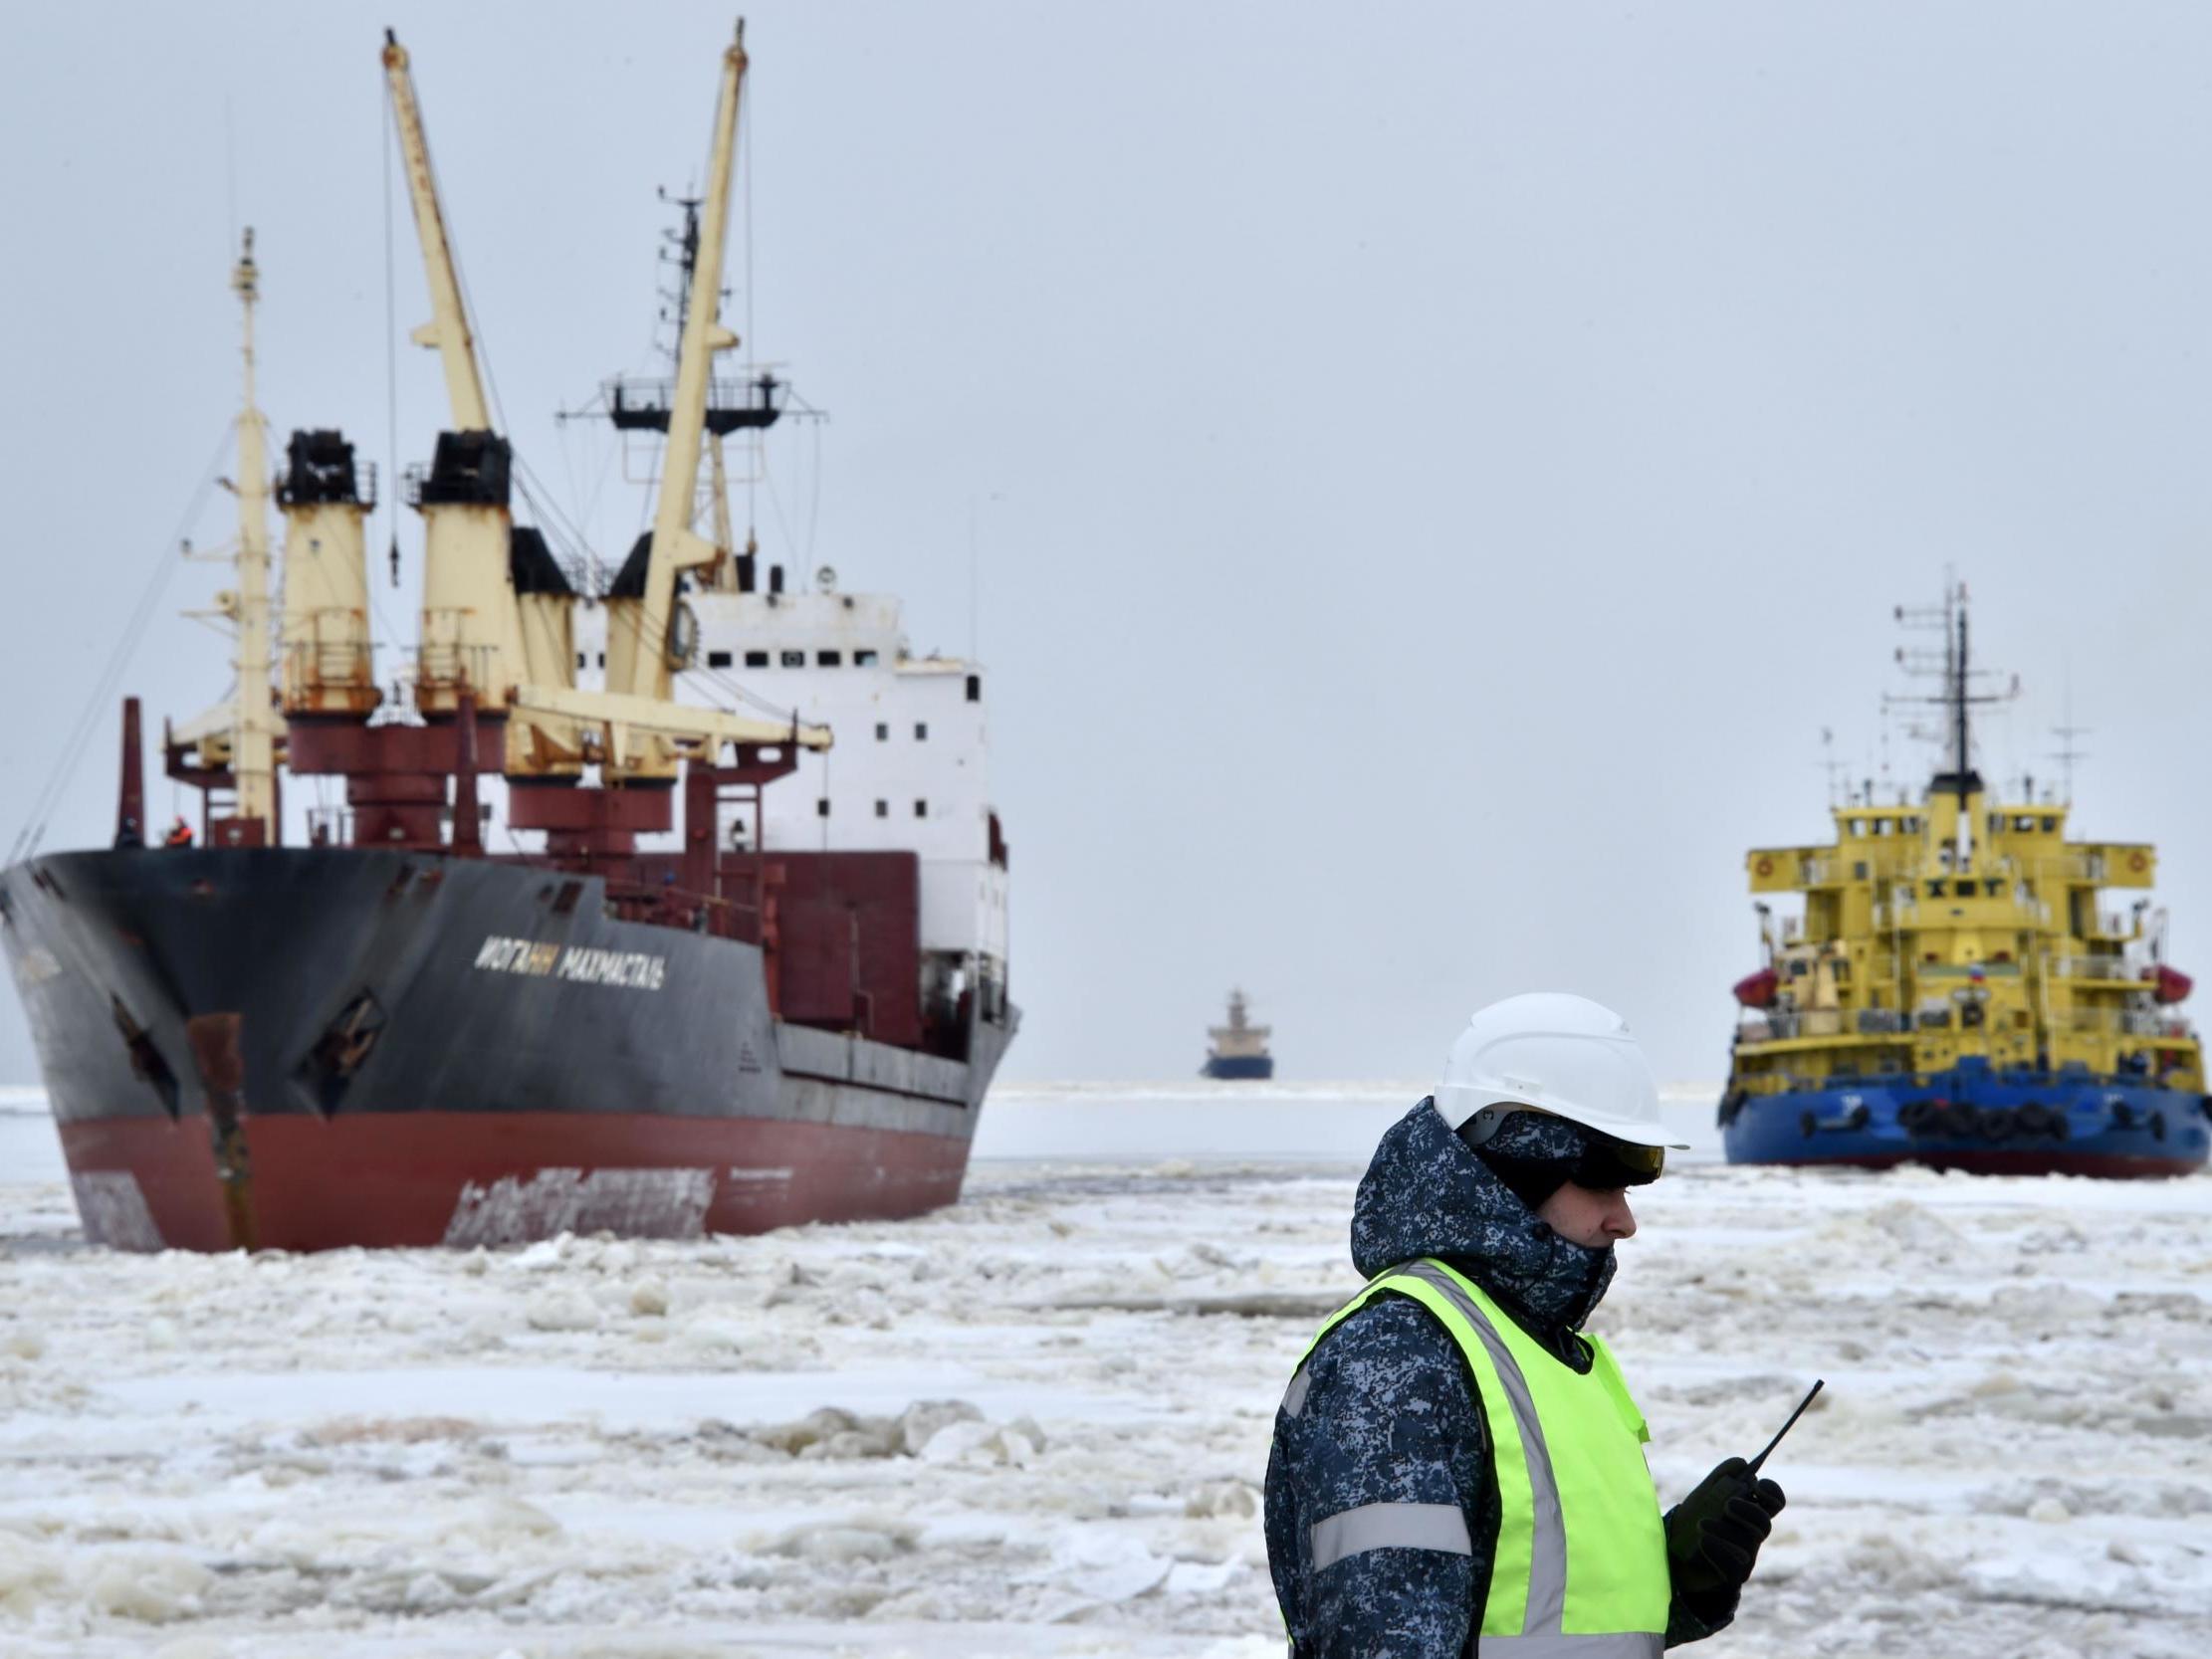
(1957, 698)
(254, 749)
(1957, 690)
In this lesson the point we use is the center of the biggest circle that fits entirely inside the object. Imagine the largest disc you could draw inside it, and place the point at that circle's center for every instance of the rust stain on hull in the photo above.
(222, 1068)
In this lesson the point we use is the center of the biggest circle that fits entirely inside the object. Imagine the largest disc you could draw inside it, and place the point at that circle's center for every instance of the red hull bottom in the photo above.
(466, 1178)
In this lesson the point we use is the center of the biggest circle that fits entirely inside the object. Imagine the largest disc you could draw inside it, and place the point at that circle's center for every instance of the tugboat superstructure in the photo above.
(1956, 994)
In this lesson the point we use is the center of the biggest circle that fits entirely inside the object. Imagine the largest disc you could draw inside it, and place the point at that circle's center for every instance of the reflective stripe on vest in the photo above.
(1390, 1526)
(1580, 1567)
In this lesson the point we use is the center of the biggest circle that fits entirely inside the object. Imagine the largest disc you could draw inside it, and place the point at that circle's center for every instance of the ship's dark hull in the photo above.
(1240, 1066)
(309, 1047)
(1978, 1120)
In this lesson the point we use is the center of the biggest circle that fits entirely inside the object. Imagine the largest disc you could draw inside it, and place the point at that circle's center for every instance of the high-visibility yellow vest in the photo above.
(1580, 1568)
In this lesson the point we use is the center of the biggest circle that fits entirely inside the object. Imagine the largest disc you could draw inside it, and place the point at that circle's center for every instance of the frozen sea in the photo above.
(1035, 1423)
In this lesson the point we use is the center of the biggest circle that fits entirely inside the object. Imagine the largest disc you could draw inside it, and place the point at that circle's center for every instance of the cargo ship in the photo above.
(594, 941)
(1239, 1048)
(1952, 989)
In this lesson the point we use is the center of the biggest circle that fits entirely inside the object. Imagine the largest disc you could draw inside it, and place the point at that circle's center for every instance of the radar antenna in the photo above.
(1953, 668)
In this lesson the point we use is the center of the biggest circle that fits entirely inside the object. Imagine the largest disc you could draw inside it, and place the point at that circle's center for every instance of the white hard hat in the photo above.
(1556, 1053)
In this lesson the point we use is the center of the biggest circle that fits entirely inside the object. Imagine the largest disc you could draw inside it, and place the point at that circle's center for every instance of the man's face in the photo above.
(1586, 1216)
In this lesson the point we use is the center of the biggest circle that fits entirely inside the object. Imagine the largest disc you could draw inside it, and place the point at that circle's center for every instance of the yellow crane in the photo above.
(477, 631)
(473, 635)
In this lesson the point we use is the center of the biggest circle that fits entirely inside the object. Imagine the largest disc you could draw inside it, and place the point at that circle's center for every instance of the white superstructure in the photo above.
(906, 767)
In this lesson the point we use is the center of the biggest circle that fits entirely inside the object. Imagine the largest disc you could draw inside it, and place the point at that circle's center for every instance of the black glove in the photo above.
(1714, 1535)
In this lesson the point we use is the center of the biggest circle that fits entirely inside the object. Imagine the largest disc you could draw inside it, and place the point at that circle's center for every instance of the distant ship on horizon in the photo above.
(1237, 1050)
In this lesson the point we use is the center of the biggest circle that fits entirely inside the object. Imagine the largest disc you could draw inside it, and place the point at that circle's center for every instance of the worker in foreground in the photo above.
(1458, 1468)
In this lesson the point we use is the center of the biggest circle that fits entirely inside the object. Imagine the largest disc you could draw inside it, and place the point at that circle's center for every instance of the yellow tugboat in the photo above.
(1954, 993)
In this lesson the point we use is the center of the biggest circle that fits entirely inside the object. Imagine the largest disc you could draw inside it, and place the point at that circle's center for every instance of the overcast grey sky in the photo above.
(1454, 459)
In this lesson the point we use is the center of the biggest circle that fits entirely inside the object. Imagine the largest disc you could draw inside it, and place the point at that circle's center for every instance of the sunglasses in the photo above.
(1616, 1163)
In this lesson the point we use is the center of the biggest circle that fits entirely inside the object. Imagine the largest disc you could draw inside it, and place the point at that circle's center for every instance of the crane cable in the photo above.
(80, 733)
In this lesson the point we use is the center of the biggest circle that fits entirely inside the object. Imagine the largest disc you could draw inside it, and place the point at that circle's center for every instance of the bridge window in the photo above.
(718, 659)
(756, 659)
(1935, 888)
(1881, 826)
(830, 658)
(883, 809)
(863, 659)
(975, 687)
(822, 807)
(794, 659)
(883, 731)
(921, 809)
(2049, 826)
(921, 730)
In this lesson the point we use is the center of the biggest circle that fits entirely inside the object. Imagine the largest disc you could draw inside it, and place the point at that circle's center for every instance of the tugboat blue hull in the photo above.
(1245, 1066)
(1976, 1119)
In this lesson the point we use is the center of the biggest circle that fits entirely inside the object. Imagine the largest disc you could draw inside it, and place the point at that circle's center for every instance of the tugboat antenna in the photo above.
(1955, 670)
(2065, 753)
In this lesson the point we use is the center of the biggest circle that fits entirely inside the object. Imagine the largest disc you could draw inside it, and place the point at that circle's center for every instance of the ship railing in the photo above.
(2078, 867)
(443, 664)
(2093, 965)
(667, 906)
(330, 827)
(2149, 1022)
(1780, 1025)
(315, 662)
(1827, 872)
(731, 404)
(2118, 1022)
(329, 485)
(1878, 866)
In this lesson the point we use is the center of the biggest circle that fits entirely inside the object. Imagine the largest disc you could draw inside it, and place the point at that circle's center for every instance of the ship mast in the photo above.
(254, 743)
(1958, 697)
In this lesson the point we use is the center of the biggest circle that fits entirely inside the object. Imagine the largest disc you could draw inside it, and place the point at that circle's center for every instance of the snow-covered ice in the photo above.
(1035, 1423)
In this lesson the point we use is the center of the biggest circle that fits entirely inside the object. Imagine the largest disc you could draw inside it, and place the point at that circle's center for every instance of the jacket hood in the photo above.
(1426, 1193)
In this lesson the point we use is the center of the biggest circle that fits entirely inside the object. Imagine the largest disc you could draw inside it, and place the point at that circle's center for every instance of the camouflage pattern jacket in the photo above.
(1390, 1413)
